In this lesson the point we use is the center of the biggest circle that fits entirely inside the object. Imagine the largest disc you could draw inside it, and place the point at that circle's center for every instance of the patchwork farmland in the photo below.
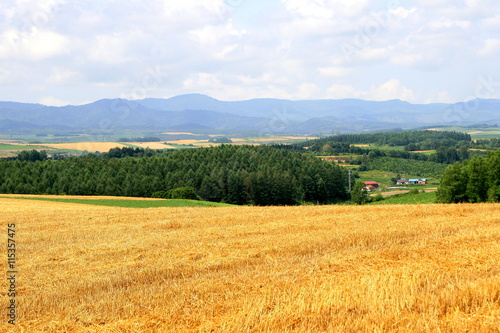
(10, 148)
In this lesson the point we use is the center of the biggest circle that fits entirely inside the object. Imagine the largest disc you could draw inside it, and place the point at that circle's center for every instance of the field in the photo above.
(151, 145)
(79, 144)
(388, 268)
(120, 202)
(8, 149)
(408, 198)
(88, 146)
(475, 133)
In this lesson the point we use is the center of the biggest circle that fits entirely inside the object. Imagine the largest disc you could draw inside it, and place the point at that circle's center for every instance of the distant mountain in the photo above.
(195, 112)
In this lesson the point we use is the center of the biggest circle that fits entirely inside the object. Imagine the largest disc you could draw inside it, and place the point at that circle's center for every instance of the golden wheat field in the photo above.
(88, 146)
(151, 145)
(400, 268)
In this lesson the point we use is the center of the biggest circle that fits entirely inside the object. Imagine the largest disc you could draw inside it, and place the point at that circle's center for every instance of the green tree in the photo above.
(209, 190)
(359, 194)
(185, 192)
(493, 178)
(453, 185)
(476, 185)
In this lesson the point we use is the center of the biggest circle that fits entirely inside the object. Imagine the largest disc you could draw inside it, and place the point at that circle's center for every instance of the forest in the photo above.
(420, 139)
(474, 180)
(450, 147)
(232, 174)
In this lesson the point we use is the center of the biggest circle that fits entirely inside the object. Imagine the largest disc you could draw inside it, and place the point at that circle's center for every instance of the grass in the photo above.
(486, 135)
(376, 175)
(391, 268)
(425, 152)
(408, 198)
(5, 146)
(131, 203)
(377, 146)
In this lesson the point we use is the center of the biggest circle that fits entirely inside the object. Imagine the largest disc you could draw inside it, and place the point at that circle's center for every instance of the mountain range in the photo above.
(204, 114)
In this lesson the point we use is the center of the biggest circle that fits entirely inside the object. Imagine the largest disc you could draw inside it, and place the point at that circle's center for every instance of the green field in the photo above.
(5, 146)
(486, 135)
(475, 132)
(381, 177)
(379, 147)
(407, 198)
(128, 203)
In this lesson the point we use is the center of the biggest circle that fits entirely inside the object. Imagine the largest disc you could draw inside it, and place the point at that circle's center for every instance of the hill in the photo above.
(232, 174)
(196, 112)
(392, 268)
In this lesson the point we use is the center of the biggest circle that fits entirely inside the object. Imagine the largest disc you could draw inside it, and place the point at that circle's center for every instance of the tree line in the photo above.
(433, 139)
(233, 174)
(474, 180)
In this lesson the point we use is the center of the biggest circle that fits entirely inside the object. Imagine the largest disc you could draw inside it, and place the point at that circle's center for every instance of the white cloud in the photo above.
(492, 23)
(350, 8)
(436, 3)
(52, 101)
(307, 91)
(420, 51)
(111, 49)
(392, 89)
(309, 8)
(334, 71)
(401, 12)
(449, 24)
(339, 91)
(407, 60)
(491, 47)
(38, 45)
(370, 53)
(62, 76)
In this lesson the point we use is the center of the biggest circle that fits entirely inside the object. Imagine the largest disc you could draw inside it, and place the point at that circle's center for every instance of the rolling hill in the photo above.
(195, 112)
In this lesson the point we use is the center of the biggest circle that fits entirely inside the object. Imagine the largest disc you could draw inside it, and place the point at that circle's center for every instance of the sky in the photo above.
(59, 52)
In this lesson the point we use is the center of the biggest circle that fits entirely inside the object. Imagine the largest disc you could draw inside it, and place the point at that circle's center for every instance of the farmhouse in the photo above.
(371, 185)
(402, 181)
(418, 181)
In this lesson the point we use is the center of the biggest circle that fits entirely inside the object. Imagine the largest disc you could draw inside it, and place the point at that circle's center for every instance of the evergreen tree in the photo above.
(493, 176)
(453, 185)
(476, 185)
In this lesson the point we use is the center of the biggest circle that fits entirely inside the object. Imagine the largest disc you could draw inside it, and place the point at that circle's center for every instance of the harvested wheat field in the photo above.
(102, 147)
(421, 268)
(151, 145)
(188, 142)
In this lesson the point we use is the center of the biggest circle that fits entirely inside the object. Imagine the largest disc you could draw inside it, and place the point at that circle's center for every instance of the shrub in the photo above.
(414, 191)
(186, 192)
(160, 195)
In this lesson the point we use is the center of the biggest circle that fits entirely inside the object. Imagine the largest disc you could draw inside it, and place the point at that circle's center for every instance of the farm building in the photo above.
(402, 182)
(418, 181)
(371, 185)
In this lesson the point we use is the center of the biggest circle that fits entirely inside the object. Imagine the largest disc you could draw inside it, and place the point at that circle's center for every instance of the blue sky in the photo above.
(60, 52)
